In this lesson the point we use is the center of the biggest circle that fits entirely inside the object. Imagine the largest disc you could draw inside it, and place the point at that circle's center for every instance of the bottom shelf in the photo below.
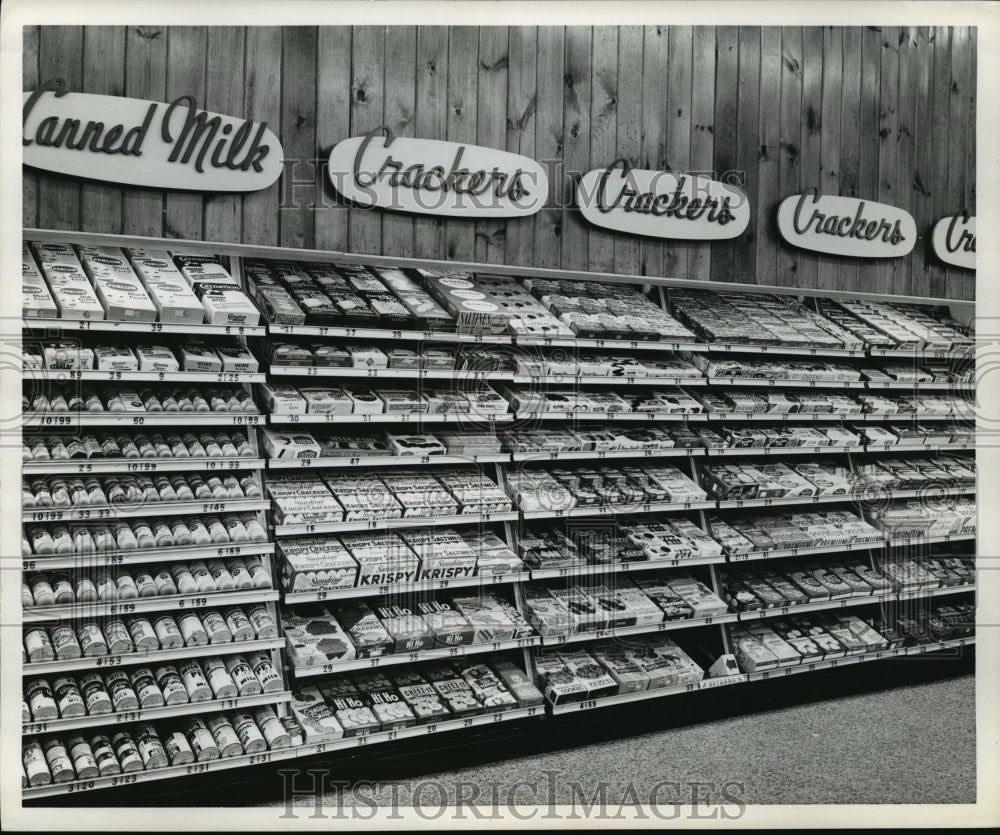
(744, 678)
(281, 754)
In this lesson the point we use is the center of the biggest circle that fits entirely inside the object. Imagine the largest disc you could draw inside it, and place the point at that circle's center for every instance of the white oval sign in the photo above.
(954, 240)
(662, 204)
(846, 226)
(431, 176)
(146, 143)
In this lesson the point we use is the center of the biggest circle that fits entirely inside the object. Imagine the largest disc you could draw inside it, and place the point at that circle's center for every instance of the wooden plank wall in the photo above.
(886, 114)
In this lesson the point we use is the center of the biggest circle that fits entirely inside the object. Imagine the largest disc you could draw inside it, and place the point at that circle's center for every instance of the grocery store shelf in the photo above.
(624, 344)
(955, 352)
(616, 510)
(901, 385)
(928, 540)
(745, 348)
(604, 380)
(52, 420)
(382, 461)
(951, 447)
(155, 657)
(645, 417)
(807, 551)
(98, 559)
(462, 374)
(602, 454)
(620, 632)
(119, 511)
(762, 382)
(414, 657)
(412, 419)
(744, 678)
(78, 325)
(163, 603)
(153, 714)
(292, 598)
(731, 452)
(195, 377)
(887, 596)
(588, 569)
(386, 333)
(406, 522)
(341, 744)
(96, 466)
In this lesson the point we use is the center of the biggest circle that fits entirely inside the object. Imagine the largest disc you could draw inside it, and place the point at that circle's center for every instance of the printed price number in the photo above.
(248, 420)
(46, 516)
(226, 704)
(108, 661)
(55, 420)
(83, 785)
(28, 565)
(217, 507)
(232, 551)
(590, 704)
(123, 779)
(257, 759)
(196, 768)
(131, 716)
(138, 421)
(114, 559)
(431, 729)
(239, 330)
(123, 608)
(34, 728)
(141, 466)
(192, 603)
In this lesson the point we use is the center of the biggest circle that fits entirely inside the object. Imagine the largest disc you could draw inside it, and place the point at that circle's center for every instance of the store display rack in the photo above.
(510, 526)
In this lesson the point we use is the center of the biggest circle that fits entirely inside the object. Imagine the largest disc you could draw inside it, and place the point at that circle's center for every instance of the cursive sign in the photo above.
(846, 226)
(146, 143)
(661, 203)
(431, 176)
(954, 240)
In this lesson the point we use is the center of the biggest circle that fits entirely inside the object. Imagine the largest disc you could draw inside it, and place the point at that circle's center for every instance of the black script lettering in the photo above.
(965, 241)
(54, 85)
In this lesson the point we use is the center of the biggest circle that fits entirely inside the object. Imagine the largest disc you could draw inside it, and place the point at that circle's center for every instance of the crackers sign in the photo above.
(146, 143)
(430, 176)
(954, 240)
(662, 204)
(846, 226)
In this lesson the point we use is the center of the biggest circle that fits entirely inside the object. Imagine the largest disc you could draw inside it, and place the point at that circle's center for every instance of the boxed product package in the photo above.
(383, 559)
(71, 290)
(420, 494)
(316, 563)
(786, 654)
(443, 554)
(625, 672)
(383, 699)
(170, 293)
(282, 399)
(475, 492)
(517, 682)
(453, 689)
(297, 500)
(226, 304)
(751, 654)
(36, 300)
(583, 611)
(487, 616)
(369, 637)
(421, 697)
(314, 715)
(115, 358)
(156, 358)
(117, 286)
(557, 681)
(447, 625)
(313, 637)
(352, 712)
(594, 677)
(363, 496)
(294, 444)
(488, 688)
(197, 355)
(703, 601)
(69, 355)
(407, 628)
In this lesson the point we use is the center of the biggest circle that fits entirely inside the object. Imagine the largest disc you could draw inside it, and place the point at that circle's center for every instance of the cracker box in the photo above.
(583, 611)
(420, 494)
(353, 714)
(364, 496)
(751, 654)
(487, 616)
(697, 595)
(421, 697)
(156, 358)
(326, 400)
(557, 680)
(319, 724)
(408, 629)
(518, 683)
(383, 559)
(485, 402)
(626, 673)
(118, 287)
(638, 605)
(366, 632)
(402, 402)
(282, 399)
(488, 688)
(473, 310)
(475, 492)
(447, 625)
(662, 669)
(367, 356)
(786, 654)
(295, 444)
(383, 699)
(612, 610)
(316, 563)
(443, 555)
(453, 689)
(313, 637)
(686, 669)
(36, 300)
(419, 303)
(415, 444)
(673, 606)
(115, 358)
(597, 680)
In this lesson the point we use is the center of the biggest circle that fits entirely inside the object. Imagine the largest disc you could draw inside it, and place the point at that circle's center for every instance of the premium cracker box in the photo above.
(369, 637)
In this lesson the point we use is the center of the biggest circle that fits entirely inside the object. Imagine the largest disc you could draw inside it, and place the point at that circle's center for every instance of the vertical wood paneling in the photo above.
(940, 144)
(829, 175)
(398, 114)
(224, 94)
(850, 149)
(923, 120)
(522, 107)
(183, 212)
(961, 74)
(547, 224)
(628, 143)
(367, 96)
(790, 142)
(724, 147)
(491, 127)
(145, 78)
(463, 86)
(810, 121)
(702, 127)
(576, 141)
(29, 72)
(902, 272)
(654, 125)
(748, 148)
(431, 123)
(888, 133)
(298, 133)
(333, 123)
(604, 131)
(679, 132)
(60, 56)
(262, 103)
(879, 114)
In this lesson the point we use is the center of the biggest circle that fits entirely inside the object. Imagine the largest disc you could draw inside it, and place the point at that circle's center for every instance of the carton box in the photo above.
(454, 691)
(407, 628)
(518, 683)
(316, 563)
(421, 697)
(313, 637)
(557, 681)
(751, 654)
(487, 687)
(319, 724)
(369, 637)
(383, 559)
(597, 680)
(384, 700)
(487, 616)
(282, 399)
(156, 358)
(36, 300)
(447, 625)
(353, 714)
(626, 673)
(118, 287)
(72, 291)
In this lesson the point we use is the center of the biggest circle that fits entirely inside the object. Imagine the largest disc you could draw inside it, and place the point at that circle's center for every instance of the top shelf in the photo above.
(106, 326)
